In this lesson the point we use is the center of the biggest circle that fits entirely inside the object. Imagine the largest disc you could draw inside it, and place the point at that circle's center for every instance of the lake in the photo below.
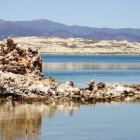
(103, 68)
(70, 121)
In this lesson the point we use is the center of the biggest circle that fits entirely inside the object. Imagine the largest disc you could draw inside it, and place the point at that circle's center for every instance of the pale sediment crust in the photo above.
(78, 46)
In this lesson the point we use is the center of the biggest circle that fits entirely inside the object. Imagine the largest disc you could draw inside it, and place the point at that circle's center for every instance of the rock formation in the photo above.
(19, 61)
(21, 79)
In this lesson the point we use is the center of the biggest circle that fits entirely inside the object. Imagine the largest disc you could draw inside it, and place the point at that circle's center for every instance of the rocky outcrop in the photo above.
(21, 79)
(18, 60)
(22, 87)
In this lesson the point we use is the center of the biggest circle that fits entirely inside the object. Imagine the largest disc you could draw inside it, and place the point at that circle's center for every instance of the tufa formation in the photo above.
(20, 61)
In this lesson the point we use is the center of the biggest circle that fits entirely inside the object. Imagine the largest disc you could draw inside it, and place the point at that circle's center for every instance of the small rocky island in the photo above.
(21, 79)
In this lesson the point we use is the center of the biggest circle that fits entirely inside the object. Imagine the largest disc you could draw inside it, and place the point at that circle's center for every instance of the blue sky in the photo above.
(94, 13)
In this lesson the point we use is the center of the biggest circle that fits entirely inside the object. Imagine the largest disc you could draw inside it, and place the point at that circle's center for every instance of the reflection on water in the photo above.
(91, 66)
(83, 68)
(91, 58)
(69, 121)
(20, 121)
(81, 78)
(16, 121)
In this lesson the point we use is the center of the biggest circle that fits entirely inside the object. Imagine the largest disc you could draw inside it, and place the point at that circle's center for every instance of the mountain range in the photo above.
(44, 27)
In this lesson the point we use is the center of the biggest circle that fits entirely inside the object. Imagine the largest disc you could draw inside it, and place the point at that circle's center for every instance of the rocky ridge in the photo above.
(21, 79)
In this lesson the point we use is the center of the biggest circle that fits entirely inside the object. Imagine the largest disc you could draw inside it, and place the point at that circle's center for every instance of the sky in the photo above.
(93, 13)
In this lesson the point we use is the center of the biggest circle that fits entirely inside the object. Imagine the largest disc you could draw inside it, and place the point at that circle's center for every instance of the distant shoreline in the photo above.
(69, 53)
(78, 46)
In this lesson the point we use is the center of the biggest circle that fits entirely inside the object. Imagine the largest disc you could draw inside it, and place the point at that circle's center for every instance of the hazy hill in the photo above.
(43, 27)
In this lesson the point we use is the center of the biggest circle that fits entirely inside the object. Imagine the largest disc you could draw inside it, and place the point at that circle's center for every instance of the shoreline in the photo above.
(76, 46)
(103, 54)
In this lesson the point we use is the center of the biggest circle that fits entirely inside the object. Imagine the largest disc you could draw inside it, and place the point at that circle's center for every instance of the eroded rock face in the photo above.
(18, 60)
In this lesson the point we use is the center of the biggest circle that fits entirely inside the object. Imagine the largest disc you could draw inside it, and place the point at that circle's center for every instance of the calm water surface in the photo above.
(69, 121)
(82, 69)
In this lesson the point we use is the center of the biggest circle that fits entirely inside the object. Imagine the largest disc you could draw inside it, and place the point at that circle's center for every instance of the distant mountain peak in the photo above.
(41, 20)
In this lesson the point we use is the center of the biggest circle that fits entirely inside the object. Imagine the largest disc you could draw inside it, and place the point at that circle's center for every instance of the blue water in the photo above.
(91, 58)
(80, 78)
(117, 121)
(81, 69)
(69, 121)
(102, 122)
